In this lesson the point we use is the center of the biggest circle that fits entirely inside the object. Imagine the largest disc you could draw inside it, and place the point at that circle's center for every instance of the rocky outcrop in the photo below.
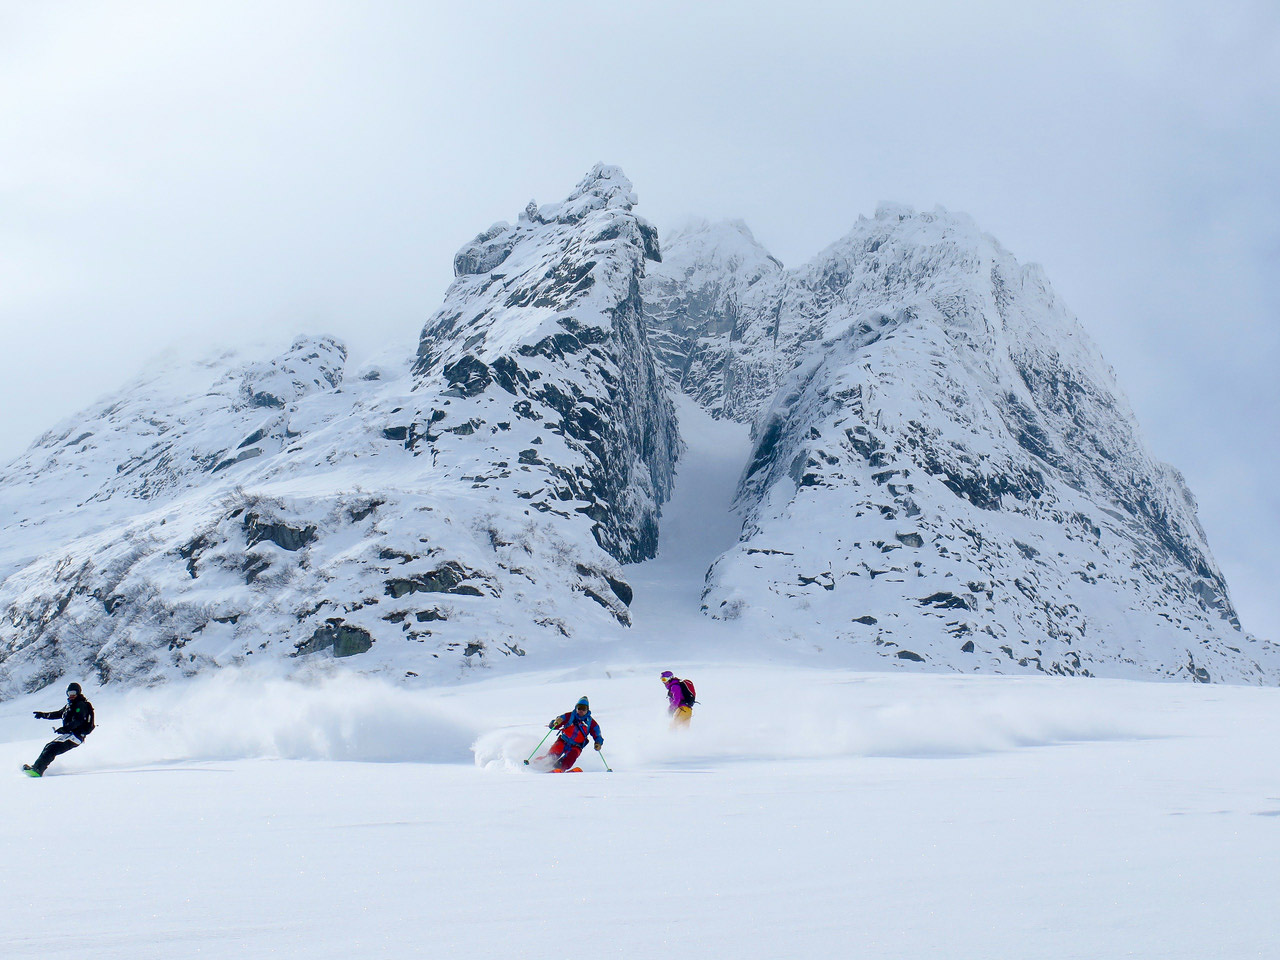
(543, 331)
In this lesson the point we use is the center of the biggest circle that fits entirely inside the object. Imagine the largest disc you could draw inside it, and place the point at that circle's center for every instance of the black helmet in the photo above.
(73, 688)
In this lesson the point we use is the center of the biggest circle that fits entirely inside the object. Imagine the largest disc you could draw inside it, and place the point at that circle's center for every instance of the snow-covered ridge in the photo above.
(170, 430)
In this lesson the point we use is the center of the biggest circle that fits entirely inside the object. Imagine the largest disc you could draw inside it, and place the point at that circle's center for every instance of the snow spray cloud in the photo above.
(781, 714)
(235, 715)
(870, 717)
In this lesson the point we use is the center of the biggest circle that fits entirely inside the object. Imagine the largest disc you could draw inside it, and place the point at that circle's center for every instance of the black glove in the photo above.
(37, 714)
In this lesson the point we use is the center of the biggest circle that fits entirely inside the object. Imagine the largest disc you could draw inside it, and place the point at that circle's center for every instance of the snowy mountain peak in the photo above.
(702, 302)
(889, 210)
(942, 472)
(603, 192)
(557, 273)
(557, 322)
(472, 508)
(604, 187)
(722, 239)
(716, 238)
(930, 419)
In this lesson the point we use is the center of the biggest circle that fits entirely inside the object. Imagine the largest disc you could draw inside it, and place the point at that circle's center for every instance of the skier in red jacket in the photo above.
(576, 727)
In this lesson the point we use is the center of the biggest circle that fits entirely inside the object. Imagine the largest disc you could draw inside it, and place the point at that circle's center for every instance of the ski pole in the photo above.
(539, 746)
(605, 762)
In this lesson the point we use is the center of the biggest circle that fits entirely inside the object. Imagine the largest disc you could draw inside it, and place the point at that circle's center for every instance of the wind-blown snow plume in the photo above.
(776, 713)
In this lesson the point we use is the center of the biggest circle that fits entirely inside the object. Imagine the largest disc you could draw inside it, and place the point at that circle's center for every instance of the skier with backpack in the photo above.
(681, 697)
(576, 727)
(77, 723)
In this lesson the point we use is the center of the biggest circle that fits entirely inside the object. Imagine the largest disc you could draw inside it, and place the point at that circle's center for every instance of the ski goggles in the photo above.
(582, 708)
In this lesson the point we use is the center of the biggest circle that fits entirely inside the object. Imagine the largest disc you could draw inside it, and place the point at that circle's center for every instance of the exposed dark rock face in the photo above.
(549, 335)
(449, 578)
(282, 535)
(343, 639)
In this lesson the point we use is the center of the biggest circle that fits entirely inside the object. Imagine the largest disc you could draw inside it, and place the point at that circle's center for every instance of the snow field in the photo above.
(806, 812)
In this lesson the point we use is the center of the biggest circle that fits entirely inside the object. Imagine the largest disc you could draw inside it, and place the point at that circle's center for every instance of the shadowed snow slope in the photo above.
(698, 524)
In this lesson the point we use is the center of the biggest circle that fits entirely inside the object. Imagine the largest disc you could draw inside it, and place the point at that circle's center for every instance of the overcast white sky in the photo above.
(189, 173)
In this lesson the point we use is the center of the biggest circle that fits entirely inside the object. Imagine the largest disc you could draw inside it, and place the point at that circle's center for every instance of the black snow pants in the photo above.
(54, 748)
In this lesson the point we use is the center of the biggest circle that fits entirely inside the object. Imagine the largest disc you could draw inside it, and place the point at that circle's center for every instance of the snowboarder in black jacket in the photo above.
(77, 723)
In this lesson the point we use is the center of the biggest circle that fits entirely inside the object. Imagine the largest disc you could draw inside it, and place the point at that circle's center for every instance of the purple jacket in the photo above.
(675, 694)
